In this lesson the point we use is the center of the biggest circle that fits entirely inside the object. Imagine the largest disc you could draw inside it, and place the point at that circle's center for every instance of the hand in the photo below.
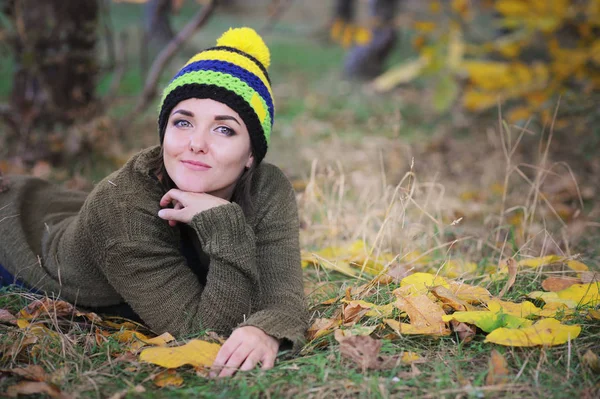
(243, 350)
(186, 205)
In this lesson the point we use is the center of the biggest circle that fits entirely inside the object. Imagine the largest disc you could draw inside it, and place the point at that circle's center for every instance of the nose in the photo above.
(198, 142)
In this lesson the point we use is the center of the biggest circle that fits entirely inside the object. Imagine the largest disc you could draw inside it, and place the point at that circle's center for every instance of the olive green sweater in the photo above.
(109, 247)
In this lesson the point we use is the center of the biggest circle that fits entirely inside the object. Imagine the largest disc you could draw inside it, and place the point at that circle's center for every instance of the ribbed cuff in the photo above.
(220, 227)
(279, 325)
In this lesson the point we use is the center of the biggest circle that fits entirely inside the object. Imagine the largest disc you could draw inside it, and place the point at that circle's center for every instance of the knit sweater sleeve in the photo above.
(281, 308)
(153, 277)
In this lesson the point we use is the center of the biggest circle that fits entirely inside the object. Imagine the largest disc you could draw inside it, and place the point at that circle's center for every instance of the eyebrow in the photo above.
(184, 112)
(226, 118)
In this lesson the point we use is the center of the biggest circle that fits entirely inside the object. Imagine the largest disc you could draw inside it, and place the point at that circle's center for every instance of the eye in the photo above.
(181, 123)
(226, 131)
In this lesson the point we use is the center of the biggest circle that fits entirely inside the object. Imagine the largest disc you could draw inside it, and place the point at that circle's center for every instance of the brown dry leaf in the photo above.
(122, 394)
(449, 299)
(353, 311)
(321, 327)
(425, 316)
(168, 378)
(465, 332)
(46, 306)
(469, 293)
(512, 266)
(364, 351)
(7, 317)
(591, 360)
(18, 345)
(32, 372)
(35, 387)
(555, 284)
(498, 372)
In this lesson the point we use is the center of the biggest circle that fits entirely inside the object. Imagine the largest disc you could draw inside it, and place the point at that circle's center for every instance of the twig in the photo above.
(119, 72)
(280, 8)
(167, 53)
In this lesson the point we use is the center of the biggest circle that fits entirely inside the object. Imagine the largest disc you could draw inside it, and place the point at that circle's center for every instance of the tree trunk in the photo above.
(55, 70)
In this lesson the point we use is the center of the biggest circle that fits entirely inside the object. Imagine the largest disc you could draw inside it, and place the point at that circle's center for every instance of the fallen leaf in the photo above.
(196, 353)
(354, 331)
(498, 372)
(418, 284)
(582, 294)
(355, 309)
(398, 75)
(552, 297)
(465, 332)
(425, 316)
(322, 327)
(46, 307)
(449, 299)
(577, 266)
(32, 372)
(538, 262)
(547, 332)
(511, 264)
(35, 387)
(168, 378)
(7, 317)
(591, 361)
(469, 293)
(522, 309)
(488, 321)
(364, 351)
(559, 283)
(122, 394)
(457, 268)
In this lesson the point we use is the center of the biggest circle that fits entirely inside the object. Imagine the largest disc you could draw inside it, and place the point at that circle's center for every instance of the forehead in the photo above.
(204, 106)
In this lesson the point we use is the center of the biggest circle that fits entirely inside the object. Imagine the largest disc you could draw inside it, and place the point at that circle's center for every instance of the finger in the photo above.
(177, 215)
(172, 195)
(268, 362)
(250, 362)
(235, 361)
(177, 207)
(223, 355)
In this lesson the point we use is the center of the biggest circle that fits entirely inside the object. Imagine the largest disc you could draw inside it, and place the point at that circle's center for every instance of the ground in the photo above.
(387, 170)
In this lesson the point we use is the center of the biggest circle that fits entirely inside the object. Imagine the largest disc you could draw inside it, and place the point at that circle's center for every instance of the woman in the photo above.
(194, 234)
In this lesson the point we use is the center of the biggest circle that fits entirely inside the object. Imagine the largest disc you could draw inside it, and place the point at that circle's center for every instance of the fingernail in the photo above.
(161, 213)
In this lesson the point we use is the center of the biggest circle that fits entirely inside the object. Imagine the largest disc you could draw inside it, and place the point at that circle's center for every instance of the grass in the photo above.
(382, 169)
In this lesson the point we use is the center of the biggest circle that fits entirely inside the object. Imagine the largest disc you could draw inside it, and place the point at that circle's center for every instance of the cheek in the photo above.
(231, 156)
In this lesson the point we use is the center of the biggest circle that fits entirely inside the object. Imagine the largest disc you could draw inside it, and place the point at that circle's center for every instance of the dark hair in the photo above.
(242, 194)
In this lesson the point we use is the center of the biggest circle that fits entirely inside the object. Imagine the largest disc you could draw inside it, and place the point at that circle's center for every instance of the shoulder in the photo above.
(273, 196)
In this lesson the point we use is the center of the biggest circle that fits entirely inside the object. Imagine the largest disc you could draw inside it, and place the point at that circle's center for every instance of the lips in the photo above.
(195, 165)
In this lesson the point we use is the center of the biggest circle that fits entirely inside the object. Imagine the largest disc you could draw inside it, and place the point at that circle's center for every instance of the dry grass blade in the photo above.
(512, 276)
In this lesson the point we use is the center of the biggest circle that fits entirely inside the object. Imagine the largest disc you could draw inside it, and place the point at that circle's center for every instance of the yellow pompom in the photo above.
(248, 41)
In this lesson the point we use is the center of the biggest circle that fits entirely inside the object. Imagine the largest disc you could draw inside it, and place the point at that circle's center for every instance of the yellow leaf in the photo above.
(196, 353)
(523, 309)
(582, 294)
(425, 316)
(547, 332)
(456, 49)
(475, 100)
(470, 293)
(419, 284)
(399, 75)
(168, 378)
(424, 26)
(519, 114)
(410, 357)
(322, 327)
(488, 321)
(538, 262)
(449, 299)
(552, 297)
(376, 311)
(457, 268)
(577, 266)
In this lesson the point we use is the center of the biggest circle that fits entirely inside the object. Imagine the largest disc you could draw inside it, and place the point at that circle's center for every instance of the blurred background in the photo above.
(476, 98)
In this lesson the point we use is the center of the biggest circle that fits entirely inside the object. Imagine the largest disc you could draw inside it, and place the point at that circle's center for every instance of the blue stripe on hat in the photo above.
(226, 67)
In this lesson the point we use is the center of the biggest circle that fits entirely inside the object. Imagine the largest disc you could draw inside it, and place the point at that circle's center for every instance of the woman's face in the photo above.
(206, 147)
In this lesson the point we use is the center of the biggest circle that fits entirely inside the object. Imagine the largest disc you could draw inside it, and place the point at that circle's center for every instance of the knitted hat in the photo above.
(233, 73)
